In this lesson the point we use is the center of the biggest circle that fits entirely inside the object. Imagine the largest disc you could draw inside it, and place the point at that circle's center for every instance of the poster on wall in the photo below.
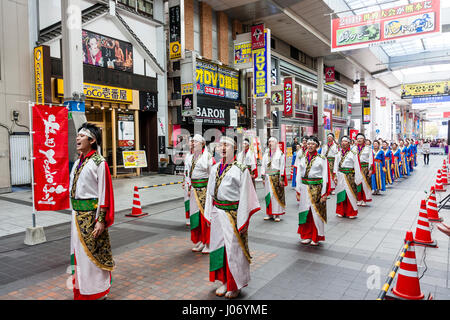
(148, 101)
(385, 26)
(126, 131)
(51, 158)
(134, 159)
(103, 51)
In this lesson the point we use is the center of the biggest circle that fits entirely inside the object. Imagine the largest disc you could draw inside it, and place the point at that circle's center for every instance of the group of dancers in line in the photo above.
(220, 198)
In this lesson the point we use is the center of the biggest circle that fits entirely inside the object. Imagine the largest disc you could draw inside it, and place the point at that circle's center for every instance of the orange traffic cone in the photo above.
(444, 173)
(408, 286)
(136, 211)
(423, 232)
(438, 186)
(432, 210)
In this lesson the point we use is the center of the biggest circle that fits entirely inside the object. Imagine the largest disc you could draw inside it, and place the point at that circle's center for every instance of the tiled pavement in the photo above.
(154, 260)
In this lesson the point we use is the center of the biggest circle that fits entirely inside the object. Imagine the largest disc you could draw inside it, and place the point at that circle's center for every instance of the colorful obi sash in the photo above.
(347, 170)
(199, 183)
(312, 180)
(273, 172)
(84, 204)
(226, 205)
(364, 164)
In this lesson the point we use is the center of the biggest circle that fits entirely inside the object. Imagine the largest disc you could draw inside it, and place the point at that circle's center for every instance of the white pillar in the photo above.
(72, 59)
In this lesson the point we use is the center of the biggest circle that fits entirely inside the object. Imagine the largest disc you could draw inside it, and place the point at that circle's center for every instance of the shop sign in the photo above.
(349, 108)
(175, 32)
(242, 53)
(51, 158)
(261, 70)
(384, 26)
(217, 81)
(287, 84)
(382, 101)
(258, 37)
(429, 89)
(101, 92)
(366, 111)
(277, 98)
(148, 101)
(363, 91)
(42, 75)
(211, 115)
(134, 159)
(442, 102)
(329, 75)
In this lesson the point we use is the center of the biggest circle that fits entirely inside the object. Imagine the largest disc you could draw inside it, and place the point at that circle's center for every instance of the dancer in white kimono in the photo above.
(92, 202)
(312, 190)
(329, 151)
(199, 170)
(186, 182)
(231, 201)
(365, 156)
(248, 158)
(274, 178)
(348, 176)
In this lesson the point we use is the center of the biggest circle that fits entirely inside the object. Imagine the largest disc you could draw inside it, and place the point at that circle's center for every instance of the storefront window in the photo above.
(309, 98)
(335, 104)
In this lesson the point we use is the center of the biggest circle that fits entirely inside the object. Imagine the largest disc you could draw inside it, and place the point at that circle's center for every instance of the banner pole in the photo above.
(30, 110)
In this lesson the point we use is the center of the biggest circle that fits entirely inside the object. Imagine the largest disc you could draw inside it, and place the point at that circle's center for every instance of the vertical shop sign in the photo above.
(382, 101)
(51, 158)
(366, 111)
(287, 82)
(329, 75)
(261, 70)
(258, 38)
(42, 75)
(363, 91)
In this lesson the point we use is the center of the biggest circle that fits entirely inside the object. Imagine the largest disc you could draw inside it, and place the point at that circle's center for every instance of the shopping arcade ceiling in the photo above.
(305, 24)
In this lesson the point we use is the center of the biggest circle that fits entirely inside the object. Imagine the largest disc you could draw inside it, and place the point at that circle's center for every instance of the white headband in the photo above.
(225, 139)
(273, 139)
(86, 132)
(198, 138)
(345, 138)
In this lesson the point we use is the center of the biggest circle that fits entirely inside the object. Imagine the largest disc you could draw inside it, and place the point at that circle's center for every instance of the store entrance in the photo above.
(149, 139)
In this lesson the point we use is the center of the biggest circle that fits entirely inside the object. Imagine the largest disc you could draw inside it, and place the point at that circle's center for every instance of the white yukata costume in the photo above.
(273, 171)
(187, 184)
(365, 156)
(230, 203)
(198, 177)
(312, 184)
(91, 190)
(330, 152)
(249, 160)
(348, 173)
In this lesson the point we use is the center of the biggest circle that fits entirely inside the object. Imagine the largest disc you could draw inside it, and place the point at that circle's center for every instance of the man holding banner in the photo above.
(92, 201)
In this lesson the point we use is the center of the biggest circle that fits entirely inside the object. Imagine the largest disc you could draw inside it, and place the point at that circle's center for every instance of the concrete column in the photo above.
(237, 28)
(206, 30)
(320, 102)
(222, 32)
(72, 59)
(189, 24)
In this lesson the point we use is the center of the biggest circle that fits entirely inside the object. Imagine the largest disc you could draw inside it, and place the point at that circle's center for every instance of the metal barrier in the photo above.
(392, 274)
(160, 185)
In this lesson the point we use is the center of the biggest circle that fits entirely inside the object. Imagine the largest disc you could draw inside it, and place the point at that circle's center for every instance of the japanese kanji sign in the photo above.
(51, 158)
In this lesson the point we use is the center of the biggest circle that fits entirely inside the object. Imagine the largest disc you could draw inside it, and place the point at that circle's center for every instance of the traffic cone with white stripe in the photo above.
(136, 211)
(432, 210)
(423, 232)
(408, 286)
(444, 174)
(438, 186)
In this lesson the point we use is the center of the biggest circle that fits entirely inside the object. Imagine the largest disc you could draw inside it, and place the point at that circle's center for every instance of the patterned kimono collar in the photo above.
(330, 144)
(223, 166)
(310, 156)
(360, 148)
(83, 158)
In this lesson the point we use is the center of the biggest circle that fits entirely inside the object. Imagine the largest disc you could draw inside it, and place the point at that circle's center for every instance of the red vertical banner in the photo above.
(288, 93)
(363, 91)
(353, 133)
(329, 75)
(257, 36)
(382, 101)
(51, 158)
